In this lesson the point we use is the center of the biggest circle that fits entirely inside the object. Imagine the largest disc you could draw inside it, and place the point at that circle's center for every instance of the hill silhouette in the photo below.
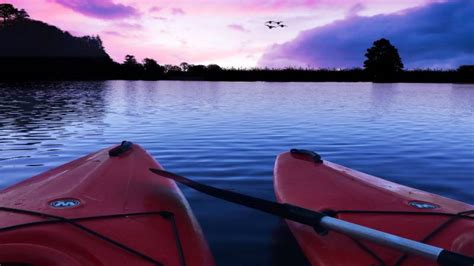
(30, 38)
(31, 49)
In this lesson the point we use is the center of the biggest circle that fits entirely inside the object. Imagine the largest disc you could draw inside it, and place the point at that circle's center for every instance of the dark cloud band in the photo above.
(103, 9)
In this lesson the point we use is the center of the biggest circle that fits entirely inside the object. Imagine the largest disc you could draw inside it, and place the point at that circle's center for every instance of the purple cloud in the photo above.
(177, 11)
(129, 26)
(113, 33)
(103, 9)
(237, 27)
(355, 9)
(155, 9)
(438, 35)
(159, 18)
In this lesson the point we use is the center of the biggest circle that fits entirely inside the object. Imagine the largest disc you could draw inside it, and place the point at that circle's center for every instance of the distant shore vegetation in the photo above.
(33, 50)
(149, 69)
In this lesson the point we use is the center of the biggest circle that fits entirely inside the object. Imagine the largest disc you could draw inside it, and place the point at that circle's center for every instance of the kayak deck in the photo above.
(373, 202)
(130, 215)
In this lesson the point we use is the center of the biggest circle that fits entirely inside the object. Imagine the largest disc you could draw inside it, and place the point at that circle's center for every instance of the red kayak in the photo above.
(302, 179)
(106, 208)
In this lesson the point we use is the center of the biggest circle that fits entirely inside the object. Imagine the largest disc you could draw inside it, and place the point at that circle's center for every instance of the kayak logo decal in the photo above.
(64, 203)
(423, 205)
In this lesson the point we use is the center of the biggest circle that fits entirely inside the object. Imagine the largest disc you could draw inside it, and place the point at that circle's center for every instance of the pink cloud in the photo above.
(113, 33)
(317, 7)
(355, 9)
(237, 27)
(281, 4)
(160, 18)
(177, 11)
(155, 9)
(129, 26)
(103, 9)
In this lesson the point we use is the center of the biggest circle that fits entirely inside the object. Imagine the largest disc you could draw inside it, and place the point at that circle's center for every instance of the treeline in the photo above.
(105, 69)
(149, 69)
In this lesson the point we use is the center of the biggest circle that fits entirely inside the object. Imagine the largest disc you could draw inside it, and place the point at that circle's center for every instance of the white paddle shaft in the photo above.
(382, 238)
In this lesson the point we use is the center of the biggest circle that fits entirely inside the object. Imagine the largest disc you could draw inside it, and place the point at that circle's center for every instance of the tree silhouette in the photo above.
(184, 66)
(9, 13)
(465, 74)
(172, 69)
(130, 60)
(152, 69)
(383, 61)
(149, 64)
(22, 15)
(197, 69)
(132, 69)
(213, 68)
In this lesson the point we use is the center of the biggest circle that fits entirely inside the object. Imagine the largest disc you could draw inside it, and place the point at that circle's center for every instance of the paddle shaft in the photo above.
(317, 220)
(382, 238)
(441, 256)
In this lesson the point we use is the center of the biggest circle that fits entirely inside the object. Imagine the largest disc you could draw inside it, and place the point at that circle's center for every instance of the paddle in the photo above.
(318, 220)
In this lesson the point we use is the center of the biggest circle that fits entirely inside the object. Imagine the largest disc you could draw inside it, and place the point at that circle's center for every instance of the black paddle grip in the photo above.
(306, 216)
(316, 157)
(446, 258)
(122, 148)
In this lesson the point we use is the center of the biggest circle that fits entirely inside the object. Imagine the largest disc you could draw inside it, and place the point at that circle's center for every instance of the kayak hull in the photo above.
(369, 201)
(134, 217)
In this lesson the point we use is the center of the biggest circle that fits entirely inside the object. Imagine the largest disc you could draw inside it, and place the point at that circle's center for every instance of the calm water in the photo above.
(228, 134)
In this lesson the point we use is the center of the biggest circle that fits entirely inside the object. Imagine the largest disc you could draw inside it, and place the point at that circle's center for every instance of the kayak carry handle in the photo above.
(316, 157)
(122, 148)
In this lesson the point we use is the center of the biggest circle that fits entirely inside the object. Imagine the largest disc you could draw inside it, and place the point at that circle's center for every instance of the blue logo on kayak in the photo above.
(64, 203)
(423, 205)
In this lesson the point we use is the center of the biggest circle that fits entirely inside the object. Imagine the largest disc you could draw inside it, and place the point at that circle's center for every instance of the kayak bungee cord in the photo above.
(73, 222)
(88, 218)
(319, 221)
(452, 218)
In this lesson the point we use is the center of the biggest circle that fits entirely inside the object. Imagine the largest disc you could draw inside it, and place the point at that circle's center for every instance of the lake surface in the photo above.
(228, 135)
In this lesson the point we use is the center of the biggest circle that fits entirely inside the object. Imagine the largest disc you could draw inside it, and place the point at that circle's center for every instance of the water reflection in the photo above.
(41, 107)
(283, 248)
(37, 120)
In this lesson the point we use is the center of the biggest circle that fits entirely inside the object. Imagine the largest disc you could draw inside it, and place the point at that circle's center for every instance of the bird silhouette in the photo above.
(274, 24)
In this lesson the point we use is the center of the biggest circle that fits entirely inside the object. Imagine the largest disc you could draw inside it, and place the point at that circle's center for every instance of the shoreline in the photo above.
(440, 77)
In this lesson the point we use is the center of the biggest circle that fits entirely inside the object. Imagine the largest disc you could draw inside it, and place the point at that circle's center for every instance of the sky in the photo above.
(231, 33)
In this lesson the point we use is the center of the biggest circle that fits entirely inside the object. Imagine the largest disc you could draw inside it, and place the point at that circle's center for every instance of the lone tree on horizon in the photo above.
(383, 61)
(9, 13)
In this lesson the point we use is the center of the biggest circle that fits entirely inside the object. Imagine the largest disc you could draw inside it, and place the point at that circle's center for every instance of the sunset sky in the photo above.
(320, 33)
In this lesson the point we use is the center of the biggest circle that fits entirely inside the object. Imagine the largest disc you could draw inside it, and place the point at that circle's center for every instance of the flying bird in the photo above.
(274, 24)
